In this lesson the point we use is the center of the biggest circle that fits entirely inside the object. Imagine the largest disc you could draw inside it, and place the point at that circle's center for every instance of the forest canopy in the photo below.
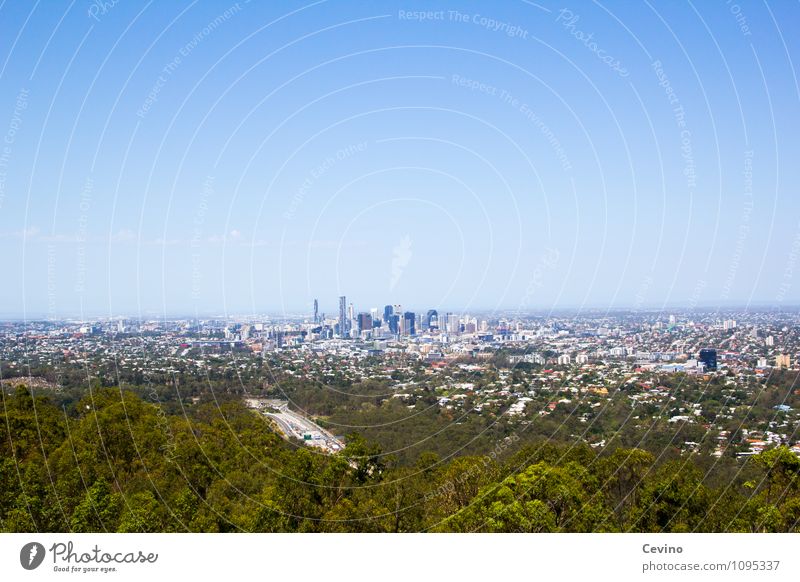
(117, 463)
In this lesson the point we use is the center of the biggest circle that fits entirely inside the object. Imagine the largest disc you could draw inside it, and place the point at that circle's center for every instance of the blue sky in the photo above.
(173, 158)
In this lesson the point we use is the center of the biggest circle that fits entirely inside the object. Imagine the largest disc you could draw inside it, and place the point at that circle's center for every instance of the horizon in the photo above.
(486, 159)
(333, 314)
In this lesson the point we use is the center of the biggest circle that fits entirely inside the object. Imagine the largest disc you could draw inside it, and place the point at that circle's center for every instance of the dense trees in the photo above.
(113, 461)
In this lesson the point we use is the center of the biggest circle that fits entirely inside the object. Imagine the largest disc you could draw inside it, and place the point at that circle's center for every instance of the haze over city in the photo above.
(251, 157)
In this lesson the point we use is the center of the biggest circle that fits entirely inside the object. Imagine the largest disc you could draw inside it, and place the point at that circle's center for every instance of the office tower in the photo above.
(342, 316)
(387, 313)
(374, 313)
(409, 327)
(351, 312)
(394, 323)
(708, 357)
(316, 311)
(432, 319)
(364, 322)
(452, 324)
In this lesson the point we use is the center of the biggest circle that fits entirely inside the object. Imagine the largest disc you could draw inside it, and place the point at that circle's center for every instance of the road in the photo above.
(304, 429)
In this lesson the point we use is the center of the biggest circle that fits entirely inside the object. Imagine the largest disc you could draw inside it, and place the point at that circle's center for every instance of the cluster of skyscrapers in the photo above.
(392, 321)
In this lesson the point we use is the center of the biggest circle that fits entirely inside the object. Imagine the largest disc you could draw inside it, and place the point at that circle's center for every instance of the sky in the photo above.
(190, 158)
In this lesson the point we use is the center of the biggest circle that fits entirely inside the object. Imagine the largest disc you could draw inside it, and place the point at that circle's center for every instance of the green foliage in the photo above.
(122, 463)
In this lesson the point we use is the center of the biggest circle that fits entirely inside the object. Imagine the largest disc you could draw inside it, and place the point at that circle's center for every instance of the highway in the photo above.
(294, 425)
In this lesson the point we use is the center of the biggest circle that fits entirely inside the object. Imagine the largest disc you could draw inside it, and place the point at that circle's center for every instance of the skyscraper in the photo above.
(364, 322)
(316, 311)
(343, 316)
(409, 327)
(709, 358)
(451, 323)
(394, 323)
(432, 319)
(387, 313)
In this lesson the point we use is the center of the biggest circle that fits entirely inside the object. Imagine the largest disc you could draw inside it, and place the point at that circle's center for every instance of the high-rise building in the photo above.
(432, 319)
(451, 322)
(316, 311)
(387, 313)
(708, 357)
(364, 322)
(343, 316)
(394, 323)
(783, 361)
(409, 327)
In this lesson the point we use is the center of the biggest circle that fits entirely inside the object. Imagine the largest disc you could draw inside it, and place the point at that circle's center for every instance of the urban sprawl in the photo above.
(720, 383)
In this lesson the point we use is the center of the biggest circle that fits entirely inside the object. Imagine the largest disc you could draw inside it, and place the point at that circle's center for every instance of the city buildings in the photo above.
(708, 357)
(343, 319)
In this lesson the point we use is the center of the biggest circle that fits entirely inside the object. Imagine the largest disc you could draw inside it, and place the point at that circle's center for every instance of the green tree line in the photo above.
(118, 462)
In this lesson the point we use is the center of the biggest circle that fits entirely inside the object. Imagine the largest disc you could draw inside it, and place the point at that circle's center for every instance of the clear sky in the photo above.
(214, 157)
